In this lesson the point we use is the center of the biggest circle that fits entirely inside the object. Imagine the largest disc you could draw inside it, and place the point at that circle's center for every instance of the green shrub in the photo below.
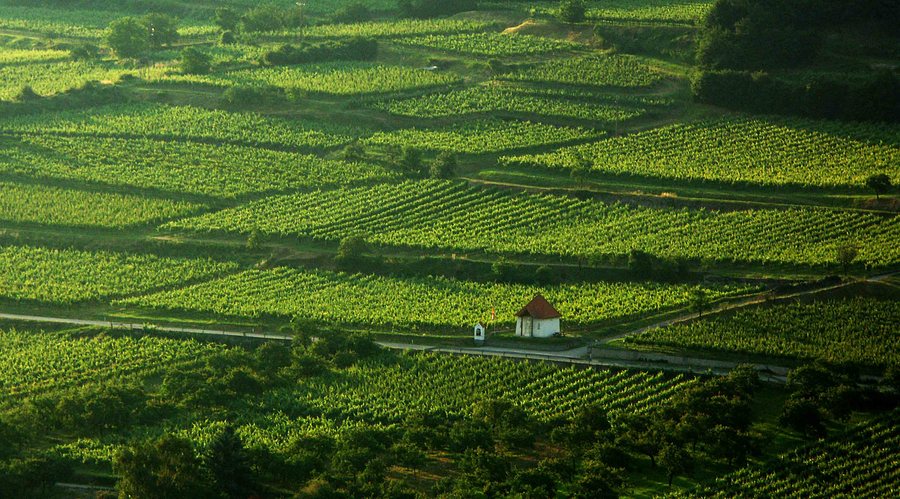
(194, 61)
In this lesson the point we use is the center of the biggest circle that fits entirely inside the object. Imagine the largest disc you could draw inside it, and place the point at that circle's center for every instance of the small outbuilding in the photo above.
(538, 319)
(479, 332)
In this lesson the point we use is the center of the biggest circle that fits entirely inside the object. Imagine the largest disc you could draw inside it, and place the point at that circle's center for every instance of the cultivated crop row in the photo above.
(433, 383)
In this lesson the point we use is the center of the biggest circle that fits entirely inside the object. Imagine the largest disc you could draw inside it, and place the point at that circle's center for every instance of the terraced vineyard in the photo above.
(221, 170)
(859, 331)
(506, 99)
(182, 123)
(450, 216)
(396, 29)
(56, 206)
(643, 11)
(340, 298)
(13, 56)
(490, 44)
(863, 463)
(32, 361)
(47, 78)
(69, 276)
(82, 23)
(329, 78)
(623, 71)
(741, 150)
(482, 136)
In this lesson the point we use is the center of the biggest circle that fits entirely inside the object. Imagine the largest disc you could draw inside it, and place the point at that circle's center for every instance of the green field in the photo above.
(490, 44)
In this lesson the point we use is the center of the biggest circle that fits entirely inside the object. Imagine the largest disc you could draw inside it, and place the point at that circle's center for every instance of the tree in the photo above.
(33, 476)
(352, 13)
(128, 37)
(227, 19)
(443, 166)
(572, 11)
(11, 440)
(253, 240)
(846, 254)
(503, 269)
(352, 249)
(227, 38)
(640, 263)
(353, 152)
(85, 51)
(804, 415)
(26, 94)
(675, 460)
(411, 160)
(597, 481)
(195, 61)
(166, 468)
(699, 301)
(161, 29)
(229, 465)
(643, 434)
(880, 183)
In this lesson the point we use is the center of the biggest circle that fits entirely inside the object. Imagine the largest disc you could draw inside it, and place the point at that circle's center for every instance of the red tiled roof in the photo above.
(539, 308)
